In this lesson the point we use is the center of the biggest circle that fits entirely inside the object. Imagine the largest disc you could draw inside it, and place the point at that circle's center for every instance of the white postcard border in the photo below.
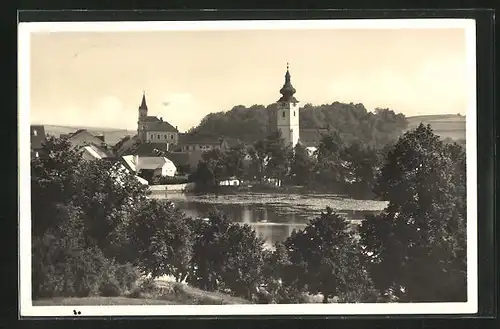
(25, 301)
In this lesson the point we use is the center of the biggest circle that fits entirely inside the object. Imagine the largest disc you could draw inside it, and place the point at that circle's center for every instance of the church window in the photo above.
(293, 113)
(284, 113)
(171, 136)
(35, 133)
(159, 136)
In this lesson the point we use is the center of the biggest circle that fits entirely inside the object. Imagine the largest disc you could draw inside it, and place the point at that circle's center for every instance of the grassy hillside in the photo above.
(162, 293)
(111, 135)
(445, 125)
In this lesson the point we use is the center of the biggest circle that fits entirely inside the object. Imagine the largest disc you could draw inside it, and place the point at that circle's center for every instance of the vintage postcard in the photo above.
(248, 167)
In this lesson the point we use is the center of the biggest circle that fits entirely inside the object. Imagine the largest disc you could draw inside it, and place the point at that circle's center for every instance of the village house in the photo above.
(38, 136)
(231, 181)
(121, 168)
(93, 152)
(150, 167)
(201, 143)
(82, 137)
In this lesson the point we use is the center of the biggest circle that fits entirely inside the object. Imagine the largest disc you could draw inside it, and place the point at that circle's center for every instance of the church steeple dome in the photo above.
(288, 91)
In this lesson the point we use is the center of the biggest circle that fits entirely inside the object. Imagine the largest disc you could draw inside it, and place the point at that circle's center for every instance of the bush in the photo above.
(60, 269)
(127, 276)
(63, 265)
(110, 288)
(226, 257)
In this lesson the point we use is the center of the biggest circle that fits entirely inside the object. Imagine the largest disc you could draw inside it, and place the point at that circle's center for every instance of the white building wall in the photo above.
(162, 137)
(288, 122)
(168, 169)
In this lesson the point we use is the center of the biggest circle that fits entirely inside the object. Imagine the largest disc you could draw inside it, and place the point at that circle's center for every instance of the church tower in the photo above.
(141, 123)
(288, 112)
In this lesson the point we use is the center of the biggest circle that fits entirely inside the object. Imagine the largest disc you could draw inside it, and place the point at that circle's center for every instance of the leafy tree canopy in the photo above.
(352, 121)
(417, 246)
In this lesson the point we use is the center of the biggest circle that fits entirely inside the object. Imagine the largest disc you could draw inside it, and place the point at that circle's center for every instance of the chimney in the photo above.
(101, 137)
(161, 119)
(176, 128)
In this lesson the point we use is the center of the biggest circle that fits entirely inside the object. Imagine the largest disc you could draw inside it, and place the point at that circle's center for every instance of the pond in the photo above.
(272, 216)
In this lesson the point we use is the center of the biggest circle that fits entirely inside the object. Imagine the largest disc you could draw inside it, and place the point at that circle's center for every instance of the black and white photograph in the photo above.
(248, 167)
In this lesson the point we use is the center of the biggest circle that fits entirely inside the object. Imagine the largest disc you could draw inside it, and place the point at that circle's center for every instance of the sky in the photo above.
(96, 79)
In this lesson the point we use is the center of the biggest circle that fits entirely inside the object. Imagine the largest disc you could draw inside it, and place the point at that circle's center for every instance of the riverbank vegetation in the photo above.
(344, 157)
(96, 233)
(269, 164)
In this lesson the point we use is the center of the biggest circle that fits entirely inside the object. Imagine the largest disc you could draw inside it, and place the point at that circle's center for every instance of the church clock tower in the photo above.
(288, 112)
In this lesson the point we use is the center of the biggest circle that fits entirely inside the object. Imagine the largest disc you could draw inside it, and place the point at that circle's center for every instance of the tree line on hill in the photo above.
(352, 121)
(335, 166)
(95, 231)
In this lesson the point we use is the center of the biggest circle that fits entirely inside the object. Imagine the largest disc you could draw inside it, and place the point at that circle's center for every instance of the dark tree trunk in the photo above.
(325, 299)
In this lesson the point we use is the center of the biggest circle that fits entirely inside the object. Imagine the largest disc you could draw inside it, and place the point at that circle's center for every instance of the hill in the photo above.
(445, 125)
(254, 124)
(352, 121)
(111, 135)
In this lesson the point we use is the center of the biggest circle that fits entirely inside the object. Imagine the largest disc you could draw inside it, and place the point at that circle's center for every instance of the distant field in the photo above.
(111, 135)
(446, 125)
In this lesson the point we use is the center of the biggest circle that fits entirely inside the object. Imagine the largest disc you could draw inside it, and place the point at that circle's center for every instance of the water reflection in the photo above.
(273, 217)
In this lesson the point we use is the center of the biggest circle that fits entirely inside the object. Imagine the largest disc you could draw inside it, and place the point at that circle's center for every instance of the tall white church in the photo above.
(288, 112)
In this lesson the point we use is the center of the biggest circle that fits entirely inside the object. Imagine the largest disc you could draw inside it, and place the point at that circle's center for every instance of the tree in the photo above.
(301, 166)
(226, 256)
(63, 265)
(233, 161)
(352, 121)
(417, 246)
(106, 196)
(161, 240)
(362, 164)
(329, 261)
(258, 158)
(51, 181)
(330, 171)
(204, 177)
(279, 278)
(277, 165)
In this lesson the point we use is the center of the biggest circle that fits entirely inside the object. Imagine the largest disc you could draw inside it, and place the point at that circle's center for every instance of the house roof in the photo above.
(160, 125)
(152, 162)
(37, 141)
(128, 146)
(200, 139)
(97, 152)
(83, 137)
(129, 162)
(150, 118)
(150, 149)
(179, 158)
